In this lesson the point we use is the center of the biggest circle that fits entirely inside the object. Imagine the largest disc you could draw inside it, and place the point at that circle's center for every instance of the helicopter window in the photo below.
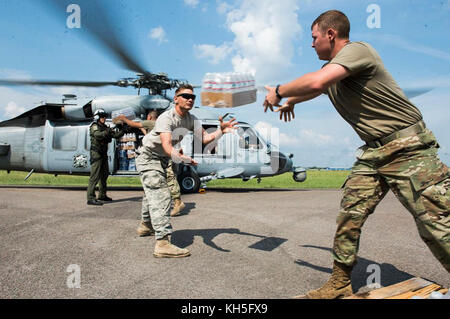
(87, 140)
(210, 148)
(65, 138)
(248, 139)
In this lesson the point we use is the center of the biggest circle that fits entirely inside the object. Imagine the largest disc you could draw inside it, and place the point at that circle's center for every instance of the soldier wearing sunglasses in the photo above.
(153, 160)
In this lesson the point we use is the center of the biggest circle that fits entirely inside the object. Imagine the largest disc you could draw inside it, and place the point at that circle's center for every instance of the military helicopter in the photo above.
(54, 137)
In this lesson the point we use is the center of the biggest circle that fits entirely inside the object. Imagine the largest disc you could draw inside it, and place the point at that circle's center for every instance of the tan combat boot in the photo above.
(338, 286)
(145, 229)
(178, 206)
(164, 249)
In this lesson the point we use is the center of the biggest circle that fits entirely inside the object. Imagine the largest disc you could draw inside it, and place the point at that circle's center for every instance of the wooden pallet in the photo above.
(403, 290)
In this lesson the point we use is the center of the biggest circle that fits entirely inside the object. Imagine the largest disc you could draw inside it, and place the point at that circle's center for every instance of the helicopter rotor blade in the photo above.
(56, 83)
(98, 24)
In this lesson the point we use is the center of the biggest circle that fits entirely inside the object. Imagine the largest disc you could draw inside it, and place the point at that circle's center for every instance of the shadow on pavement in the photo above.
(248, 190)
(184, 238)
(186, 210)
(130, 199)
(389, 274)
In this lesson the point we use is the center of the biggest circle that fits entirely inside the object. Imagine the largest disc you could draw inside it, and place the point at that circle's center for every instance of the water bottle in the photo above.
(252, 81)
(247, 81)
(239, 82)
(234, 82)
(216, 83)
(228, 83)
(208, 82)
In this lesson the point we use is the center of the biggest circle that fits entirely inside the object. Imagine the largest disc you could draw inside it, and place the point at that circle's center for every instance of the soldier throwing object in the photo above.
(153, 159)
(400, 152)
(101, 134)
(145, 228)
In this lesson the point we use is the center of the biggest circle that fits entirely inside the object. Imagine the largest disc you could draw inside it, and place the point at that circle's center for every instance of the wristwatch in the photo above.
(277, 92)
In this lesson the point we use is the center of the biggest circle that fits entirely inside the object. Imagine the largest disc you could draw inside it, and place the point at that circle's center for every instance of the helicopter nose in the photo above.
(281, 163)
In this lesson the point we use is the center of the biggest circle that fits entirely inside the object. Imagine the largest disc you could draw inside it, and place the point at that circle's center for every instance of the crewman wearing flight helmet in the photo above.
(101, 135)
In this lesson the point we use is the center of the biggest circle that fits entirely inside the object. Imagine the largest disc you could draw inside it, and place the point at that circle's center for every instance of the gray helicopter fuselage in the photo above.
(48, 139)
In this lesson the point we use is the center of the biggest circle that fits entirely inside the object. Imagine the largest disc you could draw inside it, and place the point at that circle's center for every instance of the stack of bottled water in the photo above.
(128, 112)
(123, 160)
(229, 82)
(132, 164)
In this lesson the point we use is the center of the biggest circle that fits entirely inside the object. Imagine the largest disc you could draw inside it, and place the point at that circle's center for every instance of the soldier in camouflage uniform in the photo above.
(101, 135)
(145, 228)
(153, 159)
(400, 152)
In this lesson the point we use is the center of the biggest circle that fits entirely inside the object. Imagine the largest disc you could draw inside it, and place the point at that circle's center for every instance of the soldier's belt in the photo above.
(410, 130)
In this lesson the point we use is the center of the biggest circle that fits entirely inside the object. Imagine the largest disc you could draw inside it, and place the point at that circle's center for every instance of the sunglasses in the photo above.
(187, 96)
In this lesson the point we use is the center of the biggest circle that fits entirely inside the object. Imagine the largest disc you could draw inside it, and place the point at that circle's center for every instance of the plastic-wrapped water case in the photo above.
(132, 164)
(123, 160)
(228, 89)
(128, 112)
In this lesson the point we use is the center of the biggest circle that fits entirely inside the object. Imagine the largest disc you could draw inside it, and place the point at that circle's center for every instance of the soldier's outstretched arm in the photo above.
(225, 127)
(307, 85)
(130, 123)
(287, 109)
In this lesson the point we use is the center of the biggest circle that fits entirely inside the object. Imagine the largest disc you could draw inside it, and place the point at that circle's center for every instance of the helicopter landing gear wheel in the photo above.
(189, 182)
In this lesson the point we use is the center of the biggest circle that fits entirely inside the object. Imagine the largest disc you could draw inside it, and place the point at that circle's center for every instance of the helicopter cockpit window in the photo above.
(248, 139)
(65, 138)
(210, 148)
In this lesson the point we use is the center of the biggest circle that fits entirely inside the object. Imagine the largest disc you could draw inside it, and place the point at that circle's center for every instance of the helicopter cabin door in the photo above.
(67, 149)
(33, 146)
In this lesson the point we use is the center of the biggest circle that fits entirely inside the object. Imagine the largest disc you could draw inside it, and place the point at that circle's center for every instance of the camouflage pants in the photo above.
(156, 201)
(174, 192)
(410, 168)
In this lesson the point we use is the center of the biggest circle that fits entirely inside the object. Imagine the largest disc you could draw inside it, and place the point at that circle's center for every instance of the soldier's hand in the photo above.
(286, 111)
(228, 126)
(188, 160)
(271, 99)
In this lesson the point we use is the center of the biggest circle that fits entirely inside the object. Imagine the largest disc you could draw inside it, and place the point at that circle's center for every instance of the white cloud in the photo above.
(308, 137)
(158, 34)
(223, 7)
(265, 32)
(214, 54)
(191, 3)
(12, 109)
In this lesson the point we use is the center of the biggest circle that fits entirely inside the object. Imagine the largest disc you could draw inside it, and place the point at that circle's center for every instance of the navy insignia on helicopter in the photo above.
(80, 161)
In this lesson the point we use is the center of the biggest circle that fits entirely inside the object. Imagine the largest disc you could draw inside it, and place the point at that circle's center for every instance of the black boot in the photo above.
(105, 199)
(94, 202)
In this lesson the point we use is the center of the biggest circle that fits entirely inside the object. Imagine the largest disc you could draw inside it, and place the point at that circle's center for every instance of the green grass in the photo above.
(17, 178)
(315, 179)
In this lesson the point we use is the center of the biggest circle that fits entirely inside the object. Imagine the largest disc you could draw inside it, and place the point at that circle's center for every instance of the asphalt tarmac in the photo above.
(244, 245)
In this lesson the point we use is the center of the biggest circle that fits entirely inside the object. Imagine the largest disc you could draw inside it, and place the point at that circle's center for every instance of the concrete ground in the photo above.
(244, 244)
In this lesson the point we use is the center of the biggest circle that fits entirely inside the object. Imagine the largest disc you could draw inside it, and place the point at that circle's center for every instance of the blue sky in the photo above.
(187, 38)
